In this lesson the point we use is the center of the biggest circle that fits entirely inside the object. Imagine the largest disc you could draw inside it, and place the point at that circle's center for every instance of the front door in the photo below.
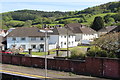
(41, 47)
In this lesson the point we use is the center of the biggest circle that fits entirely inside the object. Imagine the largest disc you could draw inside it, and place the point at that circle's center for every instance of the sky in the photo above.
(49, 5)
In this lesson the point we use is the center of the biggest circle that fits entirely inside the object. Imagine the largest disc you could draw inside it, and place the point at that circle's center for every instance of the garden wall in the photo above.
(102, 67)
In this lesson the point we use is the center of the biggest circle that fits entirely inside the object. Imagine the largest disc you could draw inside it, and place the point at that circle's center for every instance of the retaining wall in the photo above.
(104, 67)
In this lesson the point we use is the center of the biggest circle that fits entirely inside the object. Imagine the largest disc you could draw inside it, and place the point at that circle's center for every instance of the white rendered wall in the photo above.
(53, 41)
(63, 40)
(26, 42)
(89, 36)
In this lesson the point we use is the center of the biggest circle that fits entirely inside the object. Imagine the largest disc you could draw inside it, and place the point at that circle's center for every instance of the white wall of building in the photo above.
(27, 42)
(53, 41)
(89, 36)
(80, 37)
(63, 41)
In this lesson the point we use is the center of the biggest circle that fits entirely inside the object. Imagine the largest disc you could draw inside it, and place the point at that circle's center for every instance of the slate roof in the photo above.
(74, 25)
(107, 29)
(35, 32)
(116, 29)
(61, 31)
(87, 30)
(25, 32)
(78, 28)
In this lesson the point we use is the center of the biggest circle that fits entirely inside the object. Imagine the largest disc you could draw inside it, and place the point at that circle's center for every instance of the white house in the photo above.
(82, 33)
(61, 37)
(27, 38)
(32, 38)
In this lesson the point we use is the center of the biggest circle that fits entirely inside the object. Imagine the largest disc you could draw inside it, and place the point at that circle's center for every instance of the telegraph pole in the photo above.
(67, 43)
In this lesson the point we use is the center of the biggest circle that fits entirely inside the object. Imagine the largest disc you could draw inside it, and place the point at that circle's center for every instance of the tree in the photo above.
(108, 19)
(98, 23)
(37, 20)
(109, 42)
(116, 17)
(28, 23)
(67, 21)
(7, 18)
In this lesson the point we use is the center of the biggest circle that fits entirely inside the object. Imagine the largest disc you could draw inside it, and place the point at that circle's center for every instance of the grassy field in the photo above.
(55, 24)
(52, 51)
(90, 19)
(38, 53)
(70, 48)
(73, 19)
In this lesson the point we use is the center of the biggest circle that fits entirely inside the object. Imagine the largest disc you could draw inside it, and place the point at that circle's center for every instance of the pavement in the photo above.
(40, 73)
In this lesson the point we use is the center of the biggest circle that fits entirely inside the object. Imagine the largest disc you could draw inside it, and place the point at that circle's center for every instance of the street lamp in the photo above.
(46, 31)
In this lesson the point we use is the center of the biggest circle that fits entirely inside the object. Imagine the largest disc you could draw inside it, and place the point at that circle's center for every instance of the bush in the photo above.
(76, 53)
(97, 52)
(111, 55)
(102, 53)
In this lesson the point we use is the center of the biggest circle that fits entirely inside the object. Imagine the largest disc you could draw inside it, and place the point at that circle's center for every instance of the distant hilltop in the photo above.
(22, 18)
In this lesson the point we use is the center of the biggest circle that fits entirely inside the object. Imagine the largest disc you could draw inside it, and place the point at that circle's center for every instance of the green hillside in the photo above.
(90, 20)
(27, 18)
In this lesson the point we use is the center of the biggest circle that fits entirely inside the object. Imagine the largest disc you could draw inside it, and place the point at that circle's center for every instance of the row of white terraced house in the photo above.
(32, 38)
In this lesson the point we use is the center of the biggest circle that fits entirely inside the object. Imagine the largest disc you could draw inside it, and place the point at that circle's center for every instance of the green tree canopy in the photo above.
(28, 23)
(109, 42)
(98, 23)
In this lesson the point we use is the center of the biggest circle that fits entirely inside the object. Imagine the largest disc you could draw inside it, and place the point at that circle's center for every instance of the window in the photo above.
(72, 42)
(23, 39)
(14, 39)
(65, 43)
(33, 46)
(69, 43)
(33, 38)
(61, 44)
(41, 47)
(41, 38)
(69, 36)
(64, 36)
